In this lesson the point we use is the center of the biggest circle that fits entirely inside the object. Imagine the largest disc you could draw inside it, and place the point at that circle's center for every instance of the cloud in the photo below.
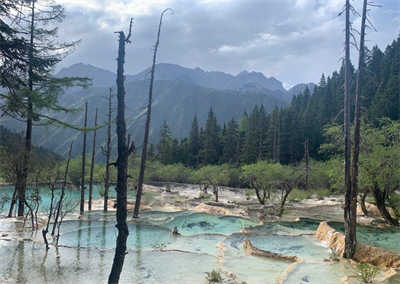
(293, 40)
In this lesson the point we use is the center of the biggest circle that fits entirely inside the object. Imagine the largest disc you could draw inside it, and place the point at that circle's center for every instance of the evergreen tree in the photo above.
(211, 146)
(194, 140)
(165, 145)
(231, 143)
(36, 92)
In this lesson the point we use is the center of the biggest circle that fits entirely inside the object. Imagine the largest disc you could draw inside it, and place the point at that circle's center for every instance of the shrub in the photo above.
(366, 272)
(214, 277)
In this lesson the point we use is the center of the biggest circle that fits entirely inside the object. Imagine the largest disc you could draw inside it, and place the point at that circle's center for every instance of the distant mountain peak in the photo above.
(212, 79)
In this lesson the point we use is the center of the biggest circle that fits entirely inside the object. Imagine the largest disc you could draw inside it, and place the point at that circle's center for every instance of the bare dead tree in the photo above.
(356, 149)
(82, 205)
(64, 184)
(92, 163)
(349, 218)
(52, 186)
(121, 164)
(107, 152)
(148, 118)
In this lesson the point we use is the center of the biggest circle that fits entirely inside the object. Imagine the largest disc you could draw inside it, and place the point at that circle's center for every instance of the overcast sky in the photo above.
(292, 40)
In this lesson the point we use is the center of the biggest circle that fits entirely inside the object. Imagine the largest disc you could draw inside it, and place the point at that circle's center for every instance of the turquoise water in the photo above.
(156, 256)
(74, 195)
(387, 238)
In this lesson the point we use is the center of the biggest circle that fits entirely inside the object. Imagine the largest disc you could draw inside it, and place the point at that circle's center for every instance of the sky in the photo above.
(294, 41)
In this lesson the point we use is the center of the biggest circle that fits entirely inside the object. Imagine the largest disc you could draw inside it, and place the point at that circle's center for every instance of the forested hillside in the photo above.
(11, 151)
(281, 135)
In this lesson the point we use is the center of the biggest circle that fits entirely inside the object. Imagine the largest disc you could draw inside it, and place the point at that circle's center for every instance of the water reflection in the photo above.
(20, 267)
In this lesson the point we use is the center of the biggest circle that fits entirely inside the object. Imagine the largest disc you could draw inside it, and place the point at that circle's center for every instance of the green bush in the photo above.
(366, 272)
(214, 277)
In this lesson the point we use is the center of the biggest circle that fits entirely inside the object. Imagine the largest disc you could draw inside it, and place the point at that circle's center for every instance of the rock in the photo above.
(364, 253)
(305, 279)
(204, 208)
(250, 249)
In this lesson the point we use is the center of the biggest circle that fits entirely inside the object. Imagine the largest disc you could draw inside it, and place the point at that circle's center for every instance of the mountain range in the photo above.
(179, 94)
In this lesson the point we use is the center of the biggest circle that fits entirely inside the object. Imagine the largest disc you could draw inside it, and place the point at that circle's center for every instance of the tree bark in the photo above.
(92, 164)
(147, 127)
(46, 230)
(283, 201)
(122, 163)
(59, 205)
(349, 216)
(22, 179)
(108, 154)
(82, 205)
(13, 201)
(380, 198)
(362, 202)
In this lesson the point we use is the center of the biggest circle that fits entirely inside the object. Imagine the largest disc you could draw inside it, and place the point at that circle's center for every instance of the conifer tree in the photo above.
(194, 140)
(35, 93)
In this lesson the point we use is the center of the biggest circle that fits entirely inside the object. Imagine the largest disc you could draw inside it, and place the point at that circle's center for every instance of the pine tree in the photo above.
(194, 140)
(165, 144)
(35, 92)
(231, 143)
(211, 145)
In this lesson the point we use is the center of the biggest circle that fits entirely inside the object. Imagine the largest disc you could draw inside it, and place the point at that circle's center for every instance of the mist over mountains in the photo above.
(179, 94)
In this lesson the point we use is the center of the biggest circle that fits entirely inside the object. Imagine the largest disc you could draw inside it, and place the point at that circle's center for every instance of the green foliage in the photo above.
(75, 170)
(214, 277)
(298, 194)
(366, 272)
(211, 175)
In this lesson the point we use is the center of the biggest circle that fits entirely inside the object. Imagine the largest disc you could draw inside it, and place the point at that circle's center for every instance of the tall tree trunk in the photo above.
(148, 118)
(122, 163)
(352, 235)
(59, 204)
(108, 154)
(283, 201)
(92, 164)
(349, 221)
(380, 198)
(22, 179)
(13, 201)
(362, 202)
(82, 207)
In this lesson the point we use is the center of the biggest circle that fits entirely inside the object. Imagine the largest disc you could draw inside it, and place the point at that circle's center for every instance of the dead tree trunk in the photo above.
(349, 217)
(82, 205)
(46, 230)
(122, 163)
(351, 236)
(92, 164)
(108, 154)
(147, 127)
(60, 202)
